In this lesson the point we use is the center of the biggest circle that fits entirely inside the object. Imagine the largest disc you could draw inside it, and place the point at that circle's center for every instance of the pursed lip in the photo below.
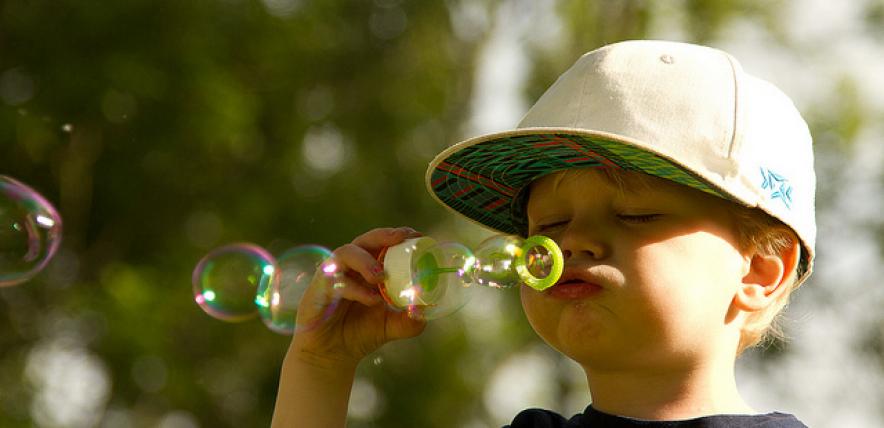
(576, 284)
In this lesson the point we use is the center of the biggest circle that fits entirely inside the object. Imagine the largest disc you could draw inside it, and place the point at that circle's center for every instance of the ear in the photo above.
(764, 281)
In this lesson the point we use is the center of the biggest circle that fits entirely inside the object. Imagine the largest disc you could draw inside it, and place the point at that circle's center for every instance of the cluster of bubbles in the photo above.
(429, 278)
(30, 232)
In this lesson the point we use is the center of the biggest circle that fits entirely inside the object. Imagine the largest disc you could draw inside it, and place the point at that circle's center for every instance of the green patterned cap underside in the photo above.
(486, 181)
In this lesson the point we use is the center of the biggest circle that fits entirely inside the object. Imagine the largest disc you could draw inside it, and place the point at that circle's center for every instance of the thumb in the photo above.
(402, 325)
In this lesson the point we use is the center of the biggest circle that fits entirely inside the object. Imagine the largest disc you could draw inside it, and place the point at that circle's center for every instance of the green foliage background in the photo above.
(187, 124)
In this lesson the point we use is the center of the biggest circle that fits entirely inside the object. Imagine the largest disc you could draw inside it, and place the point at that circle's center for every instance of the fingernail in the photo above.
(407, 230)
(378, 271)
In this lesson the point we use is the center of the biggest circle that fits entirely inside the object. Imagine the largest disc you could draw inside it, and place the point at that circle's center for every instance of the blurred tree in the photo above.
(163, 129)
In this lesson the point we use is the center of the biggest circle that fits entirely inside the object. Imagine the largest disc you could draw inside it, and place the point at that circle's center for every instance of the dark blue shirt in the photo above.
(592, 418)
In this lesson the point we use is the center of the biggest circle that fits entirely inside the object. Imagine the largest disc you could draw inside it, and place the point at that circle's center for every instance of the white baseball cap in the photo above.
(678, 111)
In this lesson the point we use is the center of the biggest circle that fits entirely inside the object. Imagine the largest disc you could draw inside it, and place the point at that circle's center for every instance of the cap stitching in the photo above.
(736, 122)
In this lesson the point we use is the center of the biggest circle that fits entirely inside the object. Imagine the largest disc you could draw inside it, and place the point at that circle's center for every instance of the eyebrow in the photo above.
(633, 184)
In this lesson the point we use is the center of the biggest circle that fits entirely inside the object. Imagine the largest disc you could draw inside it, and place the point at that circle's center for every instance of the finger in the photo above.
(403, 325)
(375, 240)
(346, 287)
(325, 294)
(352, 257)
(317, 297)
(325, 290)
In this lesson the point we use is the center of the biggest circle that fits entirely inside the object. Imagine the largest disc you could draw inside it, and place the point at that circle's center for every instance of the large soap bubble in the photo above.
(429, 279)
(297, 268)
(30, 232)
(226, 281)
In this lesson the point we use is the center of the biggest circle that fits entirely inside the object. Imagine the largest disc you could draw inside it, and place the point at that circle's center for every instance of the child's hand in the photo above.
(361, 322)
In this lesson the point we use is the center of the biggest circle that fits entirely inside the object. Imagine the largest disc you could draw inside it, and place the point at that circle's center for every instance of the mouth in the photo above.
(574, 285)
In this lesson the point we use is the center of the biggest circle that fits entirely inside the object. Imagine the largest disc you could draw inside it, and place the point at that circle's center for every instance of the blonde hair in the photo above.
(760, 233)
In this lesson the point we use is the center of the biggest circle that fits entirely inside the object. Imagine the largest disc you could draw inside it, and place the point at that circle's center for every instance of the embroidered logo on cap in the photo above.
(778, 186)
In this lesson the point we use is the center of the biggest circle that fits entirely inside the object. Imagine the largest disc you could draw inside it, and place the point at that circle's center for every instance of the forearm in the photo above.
(318, 371)
(312, 394)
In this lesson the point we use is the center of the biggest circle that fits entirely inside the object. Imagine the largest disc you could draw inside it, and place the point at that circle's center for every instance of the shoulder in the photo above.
(538, 418)
(769, 420)
(541, 418)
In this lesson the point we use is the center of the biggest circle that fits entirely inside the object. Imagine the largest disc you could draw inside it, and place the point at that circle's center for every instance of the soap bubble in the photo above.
(542, 262)
(539, 262)
(30, 232)
(297, 268)
(495, 261)
(440, 281)
(428, 279)
(505, 261)
(226, 281)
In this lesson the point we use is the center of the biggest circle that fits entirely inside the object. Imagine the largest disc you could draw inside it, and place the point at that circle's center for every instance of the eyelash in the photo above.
(546, 227)
(629, 218)
(638, 218)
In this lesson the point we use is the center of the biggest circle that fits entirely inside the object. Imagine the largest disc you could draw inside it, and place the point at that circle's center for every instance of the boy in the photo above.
(681, 191)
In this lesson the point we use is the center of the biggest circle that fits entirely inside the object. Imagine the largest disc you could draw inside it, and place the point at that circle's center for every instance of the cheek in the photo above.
(693, 275)
(716, 263)
(532, 306)
(542, 316)
(569, 327)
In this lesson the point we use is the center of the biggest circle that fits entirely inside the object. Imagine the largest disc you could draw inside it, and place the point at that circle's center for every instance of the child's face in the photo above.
(655, 271)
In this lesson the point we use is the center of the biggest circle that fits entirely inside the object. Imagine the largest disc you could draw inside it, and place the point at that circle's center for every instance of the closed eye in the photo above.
(638, 218)
(550, 226)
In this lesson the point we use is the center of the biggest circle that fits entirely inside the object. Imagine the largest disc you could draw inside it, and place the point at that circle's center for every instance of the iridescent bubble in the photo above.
(297, 269)
(542, 264)
(30, 232)
(428, 279)
(227, 279)
(505, 261)
(495, 261)
(539, 262)
(438, 281)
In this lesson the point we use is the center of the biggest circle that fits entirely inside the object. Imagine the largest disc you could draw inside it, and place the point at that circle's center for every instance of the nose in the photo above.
(579, 241)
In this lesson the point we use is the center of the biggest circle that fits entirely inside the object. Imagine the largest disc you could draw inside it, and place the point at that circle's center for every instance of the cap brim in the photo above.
(484, 178)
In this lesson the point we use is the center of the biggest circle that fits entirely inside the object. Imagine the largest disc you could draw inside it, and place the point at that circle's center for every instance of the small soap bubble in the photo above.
(67, 127)
(505, 261)
(226, 281)
(496, 261)
(539, 262)
(542, 264)
(30, 232)
(297, 269)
